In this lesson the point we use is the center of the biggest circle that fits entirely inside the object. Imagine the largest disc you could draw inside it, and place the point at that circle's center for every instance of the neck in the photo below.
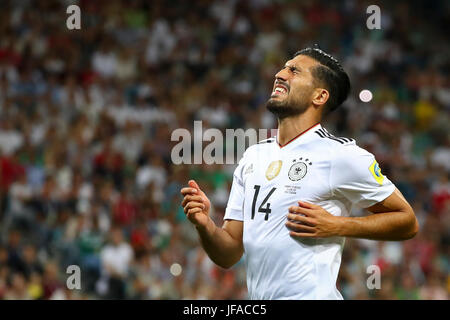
(289, 128)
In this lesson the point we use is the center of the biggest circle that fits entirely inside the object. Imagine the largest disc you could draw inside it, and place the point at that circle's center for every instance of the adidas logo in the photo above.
(249, 169)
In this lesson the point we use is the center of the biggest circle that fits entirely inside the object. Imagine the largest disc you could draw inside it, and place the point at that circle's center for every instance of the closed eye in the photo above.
(292, 69)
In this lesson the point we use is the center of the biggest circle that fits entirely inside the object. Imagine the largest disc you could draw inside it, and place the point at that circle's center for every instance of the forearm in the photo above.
(388, 226)
(219, 245)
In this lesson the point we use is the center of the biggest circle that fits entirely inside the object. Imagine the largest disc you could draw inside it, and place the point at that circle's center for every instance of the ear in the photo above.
(320, 97)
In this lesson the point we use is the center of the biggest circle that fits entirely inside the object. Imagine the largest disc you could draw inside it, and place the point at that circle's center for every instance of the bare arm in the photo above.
(223, 245)
(393, 219)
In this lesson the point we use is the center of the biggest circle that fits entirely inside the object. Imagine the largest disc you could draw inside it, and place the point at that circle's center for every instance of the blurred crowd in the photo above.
(86, 117)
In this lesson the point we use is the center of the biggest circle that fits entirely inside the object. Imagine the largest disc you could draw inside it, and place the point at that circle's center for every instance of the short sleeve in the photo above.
(356, 176)
(234, 209)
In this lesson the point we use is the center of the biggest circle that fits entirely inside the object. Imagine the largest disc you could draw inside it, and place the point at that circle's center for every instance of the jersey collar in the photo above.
(304, 136)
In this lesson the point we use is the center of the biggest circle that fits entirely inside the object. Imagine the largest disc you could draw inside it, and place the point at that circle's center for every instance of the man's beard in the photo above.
(285, 109)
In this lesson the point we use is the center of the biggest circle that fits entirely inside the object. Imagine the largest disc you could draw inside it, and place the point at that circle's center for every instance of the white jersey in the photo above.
(315, 167)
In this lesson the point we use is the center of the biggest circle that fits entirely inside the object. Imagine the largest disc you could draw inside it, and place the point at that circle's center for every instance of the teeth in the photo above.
(280, 89)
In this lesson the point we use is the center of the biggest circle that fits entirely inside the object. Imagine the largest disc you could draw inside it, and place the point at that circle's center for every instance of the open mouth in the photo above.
(279, 90)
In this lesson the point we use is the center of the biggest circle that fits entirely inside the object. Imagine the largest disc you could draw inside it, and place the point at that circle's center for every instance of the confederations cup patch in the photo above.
(376, 172)
(298, 169)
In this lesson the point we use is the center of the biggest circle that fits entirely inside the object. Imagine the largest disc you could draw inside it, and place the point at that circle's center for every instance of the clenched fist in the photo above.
(196, 204)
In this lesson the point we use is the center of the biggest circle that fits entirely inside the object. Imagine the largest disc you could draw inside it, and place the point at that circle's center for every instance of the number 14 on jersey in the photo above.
(265, 202)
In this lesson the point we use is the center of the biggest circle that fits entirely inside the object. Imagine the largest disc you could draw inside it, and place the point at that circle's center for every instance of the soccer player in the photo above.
(289, 207)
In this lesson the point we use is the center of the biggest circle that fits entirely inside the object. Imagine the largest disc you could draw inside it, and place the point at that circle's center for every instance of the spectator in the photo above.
(115, 259)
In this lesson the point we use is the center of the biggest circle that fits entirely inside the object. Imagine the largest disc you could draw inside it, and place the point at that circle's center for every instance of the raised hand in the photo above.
(196, 204)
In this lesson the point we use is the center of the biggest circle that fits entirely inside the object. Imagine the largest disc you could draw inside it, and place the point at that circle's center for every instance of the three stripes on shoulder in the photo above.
(269, 140)
(323, 133)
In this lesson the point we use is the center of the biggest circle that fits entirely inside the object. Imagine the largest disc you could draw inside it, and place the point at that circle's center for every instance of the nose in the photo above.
(282, 75)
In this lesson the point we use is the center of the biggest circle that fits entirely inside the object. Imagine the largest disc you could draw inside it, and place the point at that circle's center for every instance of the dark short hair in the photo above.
(330, 74)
